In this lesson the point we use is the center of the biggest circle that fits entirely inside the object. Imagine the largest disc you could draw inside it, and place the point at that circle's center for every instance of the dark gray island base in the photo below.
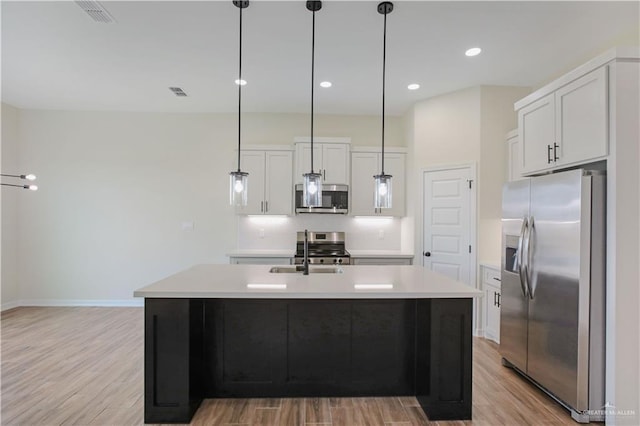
(243, 348)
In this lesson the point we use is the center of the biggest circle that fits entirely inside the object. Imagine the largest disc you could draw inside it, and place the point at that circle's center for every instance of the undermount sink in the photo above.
(300, 269)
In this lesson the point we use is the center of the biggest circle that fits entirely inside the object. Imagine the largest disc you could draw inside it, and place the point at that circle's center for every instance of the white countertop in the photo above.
(231, 281)
(290, 253)
(381, 253)
(492, 265)
(262, 253)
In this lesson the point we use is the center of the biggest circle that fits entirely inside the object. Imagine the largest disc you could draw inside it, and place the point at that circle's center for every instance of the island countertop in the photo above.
(354, 282)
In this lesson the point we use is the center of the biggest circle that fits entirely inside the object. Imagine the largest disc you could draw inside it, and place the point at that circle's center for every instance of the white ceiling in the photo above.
(54, 56)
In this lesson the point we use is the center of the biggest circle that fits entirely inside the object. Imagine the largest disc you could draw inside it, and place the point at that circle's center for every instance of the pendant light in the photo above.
(312, 185)
(383, 193)
(238, 180)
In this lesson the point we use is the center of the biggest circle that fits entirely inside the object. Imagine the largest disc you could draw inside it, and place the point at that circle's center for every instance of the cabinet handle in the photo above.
(324, 174)
(555, 155)
(494, 298)
(497, 279)
(261, 206)
(549, 154)
(266, 206)
(499, 296)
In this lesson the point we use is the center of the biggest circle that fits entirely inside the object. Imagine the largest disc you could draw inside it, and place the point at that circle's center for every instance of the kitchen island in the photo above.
(216, 331)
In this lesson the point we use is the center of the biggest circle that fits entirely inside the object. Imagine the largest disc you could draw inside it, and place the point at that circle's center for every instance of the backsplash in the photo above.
(279, 232)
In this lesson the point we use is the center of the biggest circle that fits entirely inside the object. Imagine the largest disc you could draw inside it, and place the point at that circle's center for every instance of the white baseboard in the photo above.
(9, 305)
(75, 302)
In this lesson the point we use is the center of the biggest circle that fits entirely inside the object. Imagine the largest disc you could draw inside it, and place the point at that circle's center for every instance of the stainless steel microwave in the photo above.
(335, 200)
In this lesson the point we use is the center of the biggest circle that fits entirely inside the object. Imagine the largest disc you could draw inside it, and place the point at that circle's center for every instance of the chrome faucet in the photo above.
(305, 261)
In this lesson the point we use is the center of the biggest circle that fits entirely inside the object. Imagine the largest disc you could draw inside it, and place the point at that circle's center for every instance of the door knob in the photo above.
(427, 253)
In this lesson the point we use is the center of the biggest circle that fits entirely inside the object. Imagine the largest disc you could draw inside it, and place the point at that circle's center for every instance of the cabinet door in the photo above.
(582, 118)
(514, 159)
(278, 182)
(536, 128)
(303, 159)
(364, 165)
(492, 310)
(335, 163)
(253, 163)
(394, 165)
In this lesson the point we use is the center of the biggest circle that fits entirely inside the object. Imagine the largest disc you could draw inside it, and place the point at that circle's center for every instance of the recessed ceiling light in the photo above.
(413, 86)
(473, 51)
(241, 82)
(325, 84)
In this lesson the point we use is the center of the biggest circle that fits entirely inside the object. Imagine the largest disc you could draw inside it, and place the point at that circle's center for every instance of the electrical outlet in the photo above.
(381, 234)
(187, 226)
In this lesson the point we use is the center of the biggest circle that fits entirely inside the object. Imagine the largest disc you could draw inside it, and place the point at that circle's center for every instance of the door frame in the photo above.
(473, 217)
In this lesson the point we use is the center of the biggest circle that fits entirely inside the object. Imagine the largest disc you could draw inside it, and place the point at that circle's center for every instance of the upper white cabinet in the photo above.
(366, 164)
(514, 157)
(270, 182)
(331, 159)
(582, 118)
(566, 127)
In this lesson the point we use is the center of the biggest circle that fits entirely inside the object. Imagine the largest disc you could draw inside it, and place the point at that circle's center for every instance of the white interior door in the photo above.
(447, 223)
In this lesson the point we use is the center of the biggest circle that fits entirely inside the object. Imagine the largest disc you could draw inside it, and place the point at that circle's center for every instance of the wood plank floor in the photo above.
(84, 366)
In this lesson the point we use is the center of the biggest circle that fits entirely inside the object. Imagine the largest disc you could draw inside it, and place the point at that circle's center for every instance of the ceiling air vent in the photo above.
(97, 12)
(177, 91)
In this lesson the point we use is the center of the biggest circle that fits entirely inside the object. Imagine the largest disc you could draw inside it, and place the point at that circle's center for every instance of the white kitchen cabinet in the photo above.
(366, 164)
(330, 159)
(270, 182)
(567, 127)
(582, 118)
(536, 126)
(491, 287)
(514, 157)
(381, 260)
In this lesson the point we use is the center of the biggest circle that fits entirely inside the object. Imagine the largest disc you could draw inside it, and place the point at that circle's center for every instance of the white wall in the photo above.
(623, 248)
(467, 126)
(278, 129)
(446, 130)
(497, 117)
(280, 232)
(116, 187)
(9, 293)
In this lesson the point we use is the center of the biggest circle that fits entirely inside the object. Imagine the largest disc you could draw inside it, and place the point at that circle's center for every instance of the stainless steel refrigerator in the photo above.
(552, 316)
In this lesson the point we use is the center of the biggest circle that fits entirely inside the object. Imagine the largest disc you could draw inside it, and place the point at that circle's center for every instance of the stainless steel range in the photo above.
(324, 248)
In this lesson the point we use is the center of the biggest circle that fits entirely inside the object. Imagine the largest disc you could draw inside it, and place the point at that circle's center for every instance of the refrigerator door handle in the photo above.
(520, 259)
(529, 269)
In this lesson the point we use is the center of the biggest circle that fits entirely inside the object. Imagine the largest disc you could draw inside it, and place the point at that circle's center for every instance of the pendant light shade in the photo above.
(238, 191)
(383, 191)
(382, 198)
(312, 190)
(312, 184)
(239, 180)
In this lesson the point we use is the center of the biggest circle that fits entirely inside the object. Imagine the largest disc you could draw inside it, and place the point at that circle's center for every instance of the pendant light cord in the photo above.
(239, 88)
(313, 57)
(384, 62)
